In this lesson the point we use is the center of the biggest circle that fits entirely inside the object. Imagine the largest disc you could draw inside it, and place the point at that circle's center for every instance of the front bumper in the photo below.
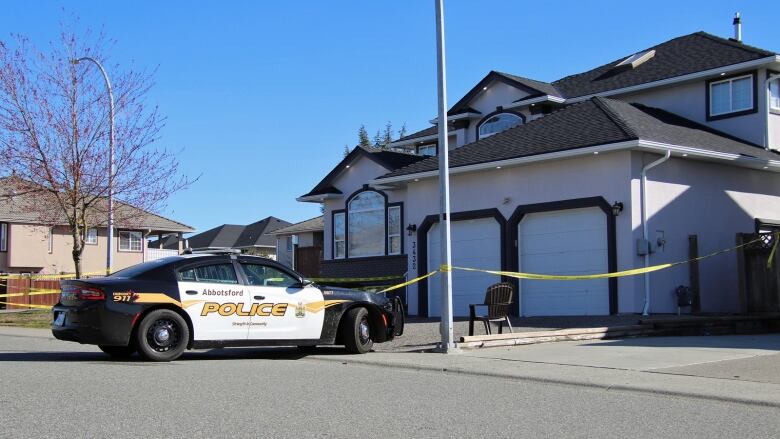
(90, 323)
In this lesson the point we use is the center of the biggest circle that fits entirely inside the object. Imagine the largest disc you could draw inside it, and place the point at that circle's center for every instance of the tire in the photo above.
(118, 351)
(162, 336)
(356, 331)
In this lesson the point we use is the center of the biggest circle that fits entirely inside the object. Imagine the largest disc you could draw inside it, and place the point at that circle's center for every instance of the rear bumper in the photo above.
(89, 324)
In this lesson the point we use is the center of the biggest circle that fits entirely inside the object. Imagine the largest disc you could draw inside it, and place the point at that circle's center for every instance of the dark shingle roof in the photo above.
(223, 236)
(310, 225)
(597, 121)
(544, 88)
(256, 233)
(692, 53)
(390, 160)
(430, 131)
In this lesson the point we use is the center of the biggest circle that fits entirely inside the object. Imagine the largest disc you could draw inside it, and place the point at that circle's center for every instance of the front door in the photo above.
(215, 301)
(281, 309)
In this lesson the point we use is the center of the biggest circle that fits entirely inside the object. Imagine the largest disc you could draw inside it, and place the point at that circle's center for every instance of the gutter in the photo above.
(643, 145)
(413, 141)
(643, 201)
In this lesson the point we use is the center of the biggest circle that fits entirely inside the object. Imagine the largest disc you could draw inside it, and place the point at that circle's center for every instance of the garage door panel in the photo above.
(565, 242)
(475, 244)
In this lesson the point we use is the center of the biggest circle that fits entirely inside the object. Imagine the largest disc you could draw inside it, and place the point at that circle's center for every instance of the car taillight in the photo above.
(74, 292)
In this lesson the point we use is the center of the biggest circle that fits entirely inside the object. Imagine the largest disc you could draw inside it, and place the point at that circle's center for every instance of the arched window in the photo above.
(499, 122)
(366, 231)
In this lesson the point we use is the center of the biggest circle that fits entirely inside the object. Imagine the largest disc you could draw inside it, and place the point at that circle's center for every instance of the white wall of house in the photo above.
(605, 175)
(713, 201)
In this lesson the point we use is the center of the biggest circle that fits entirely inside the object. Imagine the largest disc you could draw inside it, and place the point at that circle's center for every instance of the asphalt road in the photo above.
(59, 389)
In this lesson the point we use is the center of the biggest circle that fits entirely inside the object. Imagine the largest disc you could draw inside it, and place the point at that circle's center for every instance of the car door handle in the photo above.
(191, 292)
(259, 297)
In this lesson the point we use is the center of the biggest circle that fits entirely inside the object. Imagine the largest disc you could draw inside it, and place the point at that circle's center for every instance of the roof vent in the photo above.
(737, 27)
(636, 59)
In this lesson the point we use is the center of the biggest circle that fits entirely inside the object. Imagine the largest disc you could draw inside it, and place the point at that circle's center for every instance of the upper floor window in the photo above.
(50, 246)
(366, 231)
(731, 95)
(92, 237)
(130, 241)
(394, 230)
(499, 122)
(426, 150)
(3, 237)
(774, 94)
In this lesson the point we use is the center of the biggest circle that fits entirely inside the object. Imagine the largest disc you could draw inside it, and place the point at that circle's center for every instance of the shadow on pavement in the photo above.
(283, 353)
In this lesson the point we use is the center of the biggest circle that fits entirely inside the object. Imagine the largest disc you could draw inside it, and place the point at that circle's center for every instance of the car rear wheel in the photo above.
(118, 351)
(162, 336)
(356, 331)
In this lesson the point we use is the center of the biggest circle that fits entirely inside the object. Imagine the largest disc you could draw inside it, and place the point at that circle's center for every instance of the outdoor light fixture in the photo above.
(617, 208)
(347, 166)
(411, 228)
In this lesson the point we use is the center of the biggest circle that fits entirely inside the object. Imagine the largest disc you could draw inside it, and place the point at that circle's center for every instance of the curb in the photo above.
(564, 382)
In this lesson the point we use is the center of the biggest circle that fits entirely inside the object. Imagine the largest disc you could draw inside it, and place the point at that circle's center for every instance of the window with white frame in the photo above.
(426, 150)
(4, 237)
(92, 236)
(50, 248)
(498, 123)
(394, 230)
(774, 94)
(130, 241)
(731, 95)
(339, 236)
(366, 219)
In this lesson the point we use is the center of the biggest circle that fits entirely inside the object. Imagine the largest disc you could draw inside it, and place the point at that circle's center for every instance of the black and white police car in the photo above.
(207, 300)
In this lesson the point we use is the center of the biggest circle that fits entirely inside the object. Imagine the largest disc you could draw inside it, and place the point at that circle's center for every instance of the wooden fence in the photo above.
(759, 280)
(44, 292)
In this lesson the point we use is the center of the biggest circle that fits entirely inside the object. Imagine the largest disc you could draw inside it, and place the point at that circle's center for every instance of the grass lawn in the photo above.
(27, 319)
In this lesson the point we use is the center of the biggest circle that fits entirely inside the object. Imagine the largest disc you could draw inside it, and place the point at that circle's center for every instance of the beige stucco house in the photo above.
(29, 245)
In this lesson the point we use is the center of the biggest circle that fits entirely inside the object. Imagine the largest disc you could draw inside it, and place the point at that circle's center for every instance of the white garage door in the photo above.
(476, 244)
(572, 241)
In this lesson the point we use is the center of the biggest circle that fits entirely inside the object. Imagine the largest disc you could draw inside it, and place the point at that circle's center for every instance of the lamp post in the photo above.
(110, 251)
(447, 345)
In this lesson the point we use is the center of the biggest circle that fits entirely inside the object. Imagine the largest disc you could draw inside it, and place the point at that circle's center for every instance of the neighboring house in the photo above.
(250, 239)
(29, 245)
(546, 178)
(299, 246)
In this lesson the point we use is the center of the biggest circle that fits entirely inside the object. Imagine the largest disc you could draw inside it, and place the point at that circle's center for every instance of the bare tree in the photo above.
(54, 135)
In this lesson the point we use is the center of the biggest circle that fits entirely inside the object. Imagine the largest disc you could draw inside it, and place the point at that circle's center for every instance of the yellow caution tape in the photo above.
(53, 276)
(632, 272)
(28, 305)
(415, 280)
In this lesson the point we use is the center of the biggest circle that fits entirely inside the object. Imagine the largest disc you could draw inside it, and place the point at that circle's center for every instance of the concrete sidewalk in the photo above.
(736, 368)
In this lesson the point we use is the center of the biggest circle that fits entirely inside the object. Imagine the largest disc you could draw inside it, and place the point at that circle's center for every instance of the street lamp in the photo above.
(110, 255)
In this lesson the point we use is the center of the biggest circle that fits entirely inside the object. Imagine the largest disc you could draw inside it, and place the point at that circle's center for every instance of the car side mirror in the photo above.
(302, 284)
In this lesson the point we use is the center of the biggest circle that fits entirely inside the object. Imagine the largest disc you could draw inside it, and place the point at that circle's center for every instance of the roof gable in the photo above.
(532, 87)
(255, 234)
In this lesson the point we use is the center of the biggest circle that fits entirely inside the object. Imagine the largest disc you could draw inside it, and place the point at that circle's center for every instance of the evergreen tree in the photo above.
(346, 150)
(378, 139)
(402, 131)
(387, 135)
(363, 139)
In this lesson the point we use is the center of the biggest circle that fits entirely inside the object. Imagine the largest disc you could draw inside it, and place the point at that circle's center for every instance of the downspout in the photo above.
(646, 310)
(768, 101)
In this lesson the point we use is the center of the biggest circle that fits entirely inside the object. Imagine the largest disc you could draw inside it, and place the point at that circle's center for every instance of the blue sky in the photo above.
(263, 95)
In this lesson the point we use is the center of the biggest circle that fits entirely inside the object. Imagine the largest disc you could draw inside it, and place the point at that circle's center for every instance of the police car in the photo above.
(195, 301)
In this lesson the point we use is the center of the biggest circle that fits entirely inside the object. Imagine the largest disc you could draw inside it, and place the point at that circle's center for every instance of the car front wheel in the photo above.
(162, 336)
(356, 331)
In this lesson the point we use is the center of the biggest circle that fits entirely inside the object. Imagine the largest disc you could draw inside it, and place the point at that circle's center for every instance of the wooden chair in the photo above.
(498, 298)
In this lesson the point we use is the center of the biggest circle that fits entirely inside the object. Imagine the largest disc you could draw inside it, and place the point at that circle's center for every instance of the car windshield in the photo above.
(139, 269)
